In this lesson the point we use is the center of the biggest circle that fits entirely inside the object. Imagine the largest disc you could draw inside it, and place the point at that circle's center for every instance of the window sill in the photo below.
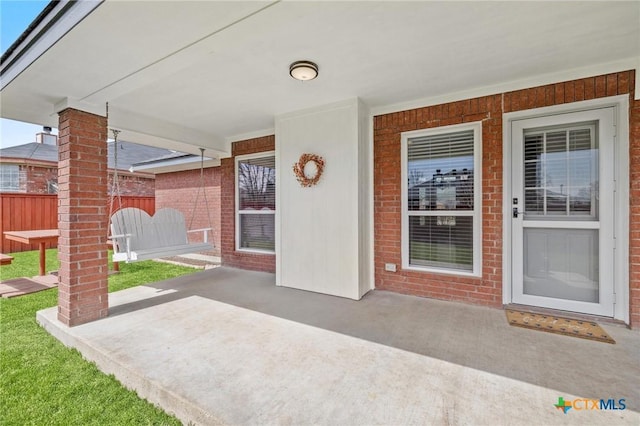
(441, 271)
(255, 251)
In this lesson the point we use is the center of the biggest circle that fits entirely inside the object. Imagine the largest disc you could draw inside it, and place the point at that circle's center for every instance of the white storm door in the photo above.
(562, 213)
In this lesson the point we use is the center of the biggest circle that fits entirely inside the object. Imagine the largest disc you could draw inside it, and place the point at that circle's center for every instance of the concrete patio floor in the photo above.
(226, 346)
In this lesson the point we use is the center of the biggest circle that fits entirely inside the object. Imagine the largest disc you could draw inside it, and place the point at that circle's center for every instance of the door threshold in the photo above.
(566, 314)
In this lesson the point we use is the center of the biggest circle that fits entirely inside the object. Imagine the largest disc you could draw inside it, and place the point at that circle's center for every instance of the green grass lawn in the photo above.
(44, 382)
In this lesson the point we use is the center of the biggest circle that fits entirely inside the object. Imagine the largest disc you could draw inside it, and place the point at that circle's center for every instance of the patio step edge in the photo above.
(147, 389)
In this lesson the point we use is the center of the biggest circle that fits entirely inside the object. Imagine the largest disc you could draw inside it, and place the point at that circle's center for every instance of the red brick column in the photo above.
(82, 217)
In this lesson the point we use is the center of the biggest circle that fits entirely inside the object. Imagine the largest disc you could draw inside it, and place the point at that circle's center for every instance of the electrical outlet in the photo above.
(391, 267)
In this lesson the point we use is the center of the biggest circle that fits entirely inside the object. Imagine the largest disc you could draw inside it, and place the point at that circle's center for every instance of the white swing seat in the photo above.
(137, 236)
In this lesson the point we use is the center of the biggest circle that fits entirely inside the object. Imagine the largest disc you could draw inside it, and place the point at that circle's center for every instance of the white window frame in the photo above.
(238, 212)
(14, 169)
(477, 198)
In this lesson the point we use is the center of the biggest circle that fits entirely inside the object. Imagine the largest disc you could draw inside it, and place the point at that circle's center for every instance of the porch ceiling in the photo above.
(186, 74)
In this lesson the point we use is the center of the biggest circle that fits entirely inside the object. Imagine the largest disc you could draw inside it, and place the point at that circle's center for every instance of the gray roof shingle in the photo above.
(128, 153)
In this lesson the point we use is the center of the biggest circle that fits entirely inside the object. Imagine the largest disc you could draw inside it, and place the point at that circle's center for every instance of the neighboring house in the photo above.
(540, 103)
(29, 183)
(32, 168)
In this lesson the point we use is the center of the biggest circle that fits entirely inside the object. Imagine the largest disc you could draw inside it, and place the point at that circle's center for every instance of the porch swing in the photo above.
(137, 236)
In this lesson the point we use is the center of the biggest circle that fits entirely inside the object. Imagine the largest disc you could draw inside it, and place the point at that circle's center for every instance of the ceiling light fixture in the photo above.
(303, 70)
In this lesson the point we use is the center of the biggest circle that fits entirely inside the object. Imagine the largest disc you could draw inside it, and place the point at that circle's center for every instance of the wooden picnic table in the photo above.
(5, 259)
(42, 237)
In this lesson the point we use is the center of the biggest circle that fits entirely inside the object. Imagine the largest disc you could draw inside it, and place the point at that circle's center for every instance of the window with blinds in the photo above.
(441, 199)
(561, 173)
(256, 202)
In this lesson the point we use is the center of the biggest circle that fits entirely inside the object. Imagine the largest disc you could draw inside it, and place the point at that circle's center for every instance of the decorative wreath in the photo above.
(298, 169)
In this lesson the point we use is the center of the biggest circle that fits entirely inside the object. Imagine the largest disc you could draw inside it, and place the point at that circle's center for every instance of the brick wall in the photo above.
(634, 202)
(132, 185)
(231, 257)
(38, 177)
(178, 190)
(486, 290)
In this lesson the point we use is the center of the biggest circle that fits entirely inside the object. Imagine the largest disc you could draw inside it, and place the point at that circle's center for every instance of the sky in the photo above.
(15, 17)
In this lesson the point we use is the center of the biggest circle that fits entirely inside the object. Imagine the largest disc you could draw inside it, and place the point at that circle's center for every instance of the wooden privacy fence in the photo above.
(22, 212)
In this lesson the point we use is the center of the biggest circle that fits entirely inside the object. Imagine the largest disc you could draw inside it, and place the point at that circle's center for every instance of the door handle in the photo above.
(515, 212)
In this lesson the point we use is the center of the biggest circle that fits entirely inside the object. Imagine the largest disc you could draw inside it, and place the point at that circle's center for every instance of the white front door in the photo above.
(562, 217)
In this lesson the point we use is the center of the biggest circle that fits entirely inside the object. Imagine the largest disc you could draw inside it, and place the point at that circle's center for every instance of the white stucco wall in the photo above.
(322, 232)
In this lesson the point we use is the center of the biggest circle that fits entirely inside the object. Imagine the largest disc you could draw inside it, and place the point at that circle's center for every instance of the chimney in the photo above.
(46, 137)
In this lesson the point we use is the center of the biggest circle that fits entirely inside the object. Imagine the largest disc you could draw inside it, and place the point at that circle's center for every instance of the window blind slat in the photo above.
(441, 171)
(560, 171)
(441, 178)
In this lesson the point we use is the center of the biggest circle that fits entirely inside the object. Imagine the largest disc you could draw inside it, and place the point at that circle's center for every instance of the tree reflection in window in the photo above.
(441, 186)
(256, 203)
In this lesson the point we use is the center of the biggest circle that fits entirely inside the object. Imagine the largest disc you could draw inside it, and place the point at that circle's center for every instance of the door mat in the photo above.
(20, 286)
(559, 325)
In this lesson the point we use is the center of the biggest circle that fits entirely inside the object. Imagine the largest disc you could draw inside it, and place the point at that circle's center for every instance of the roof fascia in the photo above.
(174, 165)
(21, 161)
(28, 162)
(56, 20)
